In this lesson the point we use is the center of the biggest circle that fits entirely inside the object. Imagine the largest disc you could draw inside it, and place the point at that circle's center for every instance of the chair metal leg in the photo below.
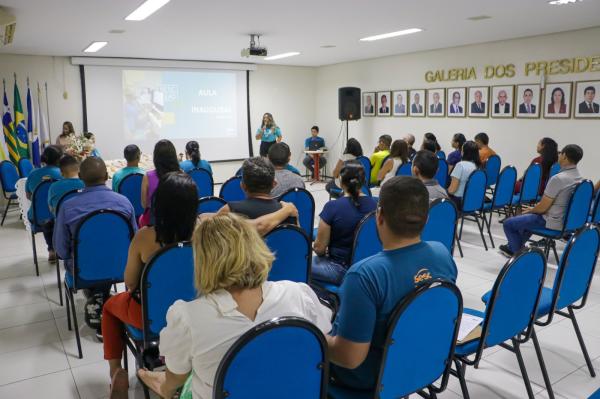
(481, 230)
(5, 212)
(75, 324)
(68, 307)
(59, 282)
(581, 343)
(538, 352)
(489, 227)
(553, 244)
(460, 373)
(462, 222)
(35, 259)
(459, 247)
(517, 351)
(125, 361)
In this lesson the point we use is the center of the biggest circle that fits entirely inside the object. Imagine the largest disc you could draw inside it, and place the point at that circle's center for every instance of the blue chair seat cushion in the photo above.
(334, 289)
(82, 284)
(470, 347)
(487, 206)
(543, 307)
(135, 333)
(337, 392)
(544, 232)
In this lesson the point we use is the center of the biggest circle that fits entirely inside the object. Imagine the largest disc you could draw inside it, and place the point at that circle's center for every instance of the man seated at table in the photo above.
(69, 169)
(374, 286)
(424, 168)
(279, 155)
(381, 151)
(132, 155)
(314, 143)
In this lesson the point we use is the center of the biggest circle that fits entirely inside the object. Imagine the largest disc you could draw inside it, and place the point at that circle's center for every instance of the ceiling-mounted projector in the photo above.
(254, 49)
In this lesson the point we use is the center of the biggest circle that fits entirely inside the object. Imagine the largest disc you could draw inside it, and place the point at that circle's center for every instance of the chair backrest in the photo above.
(554, 169)
(8, 177)
(210, 204)
(366, 239)
(231, 190)
(399, 376)
(576, 268)
(366, 163)
(131, 187)
(514, 299)
(204, 182)
(25, 167)
(167, 277)
(39, 203)
(505, 187)
(578, 209)
(595, 215)
(305, 203)
(441, 223)
(405, 169)
(292, 250)
(531, 183)
(474, 194)
(442, 173)
(64, 197)
(100, 246)
(282, 355)
(492, 169)
(441, 154)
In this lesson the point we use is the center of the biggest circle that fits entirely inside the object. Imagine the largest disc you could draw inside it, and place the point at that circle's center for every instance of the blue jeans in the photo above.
(518, 229)
(327, 270)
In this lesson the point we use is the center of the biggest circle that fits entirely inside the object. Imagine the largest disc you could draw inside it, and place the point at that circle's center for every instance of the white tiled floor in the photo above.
(38, 355)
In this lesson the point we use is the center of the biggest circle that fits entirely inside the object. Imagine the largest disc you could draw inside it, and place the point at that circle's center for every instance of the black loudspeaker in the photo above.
(349, 103)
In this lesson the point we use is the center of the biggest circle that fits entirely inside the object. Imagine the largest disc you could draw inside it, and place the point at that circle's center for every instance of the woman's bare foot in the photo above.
(120, 385)
(154, 380)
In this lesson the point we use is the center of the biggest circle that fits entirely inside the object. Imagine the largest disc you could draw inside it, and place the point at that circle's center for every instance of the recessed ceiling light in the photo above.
(562, 2)
(280, 56)
(95, 46)
(391, 34)
(116, 31)
(479, 18)
(146, 9)
(328, 46)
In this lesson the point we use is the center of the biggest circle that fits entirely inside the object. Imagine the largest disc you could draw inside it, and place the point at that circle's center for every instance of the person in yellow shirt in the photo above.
(485, 151)
(381, 151)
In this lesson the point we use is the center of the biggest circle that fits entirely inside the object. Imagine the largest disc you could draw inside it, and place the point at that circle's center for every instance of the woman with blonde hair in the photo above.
(268, 133)
(232, 263)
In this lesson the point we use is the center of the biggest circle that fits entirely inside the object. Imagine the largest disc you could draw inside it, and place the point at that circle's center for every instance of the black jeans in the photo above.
(48, 230)
(264, 147)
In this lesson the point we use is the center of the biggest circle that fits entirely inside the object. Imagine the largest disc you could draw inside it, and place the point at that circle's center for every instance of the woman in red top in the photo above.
(548, 150)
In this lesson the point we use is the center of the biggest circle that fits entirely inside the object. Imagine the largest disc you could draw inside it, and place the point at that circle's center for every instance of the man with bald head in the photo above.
(410, 140)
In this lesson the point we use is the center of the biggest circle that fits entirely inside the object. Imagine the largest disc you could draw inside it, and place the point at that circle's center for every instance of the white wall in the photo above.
(513, 139)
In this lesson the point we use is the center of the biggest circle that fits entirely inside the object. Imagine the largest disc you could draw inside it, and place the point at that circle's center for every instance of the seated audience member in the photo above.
(485, 152)
(314, 143)
(455, 156)
(429, 145)
(424, 167)
(279, 155)
(50, 171)
(90, 136)
(381, 151)
(192, 158)
(431, 136)
(548, 150)
(462, 170)
(231, 267)
(339, 219)
(69, 169)
(410, 140)
(174, 209)
(132, 155)
(398, 157)
(165, 161)
(550, 211)
(352, 151)
(374, 286)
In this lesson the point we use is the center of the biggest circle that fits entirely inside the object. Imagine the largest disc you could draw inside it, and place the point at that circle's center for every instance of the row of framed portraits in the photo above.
(555, 101)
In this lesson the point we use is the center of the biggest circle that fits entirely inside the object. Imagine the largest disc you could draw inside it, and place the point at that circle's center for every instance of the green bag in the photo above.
(186, 390)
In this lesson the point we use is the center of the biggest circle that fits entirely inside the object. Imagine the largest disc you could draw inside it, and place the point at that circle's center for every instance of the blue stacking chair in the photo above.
(442, 173)
(41, 215)
(502, 197)
(282, 357)
(293, 252)
(554, 169)
(405, 169)
(231, 190)
(407, 368)
(529, 186)
(100, 246)
(167, 277)
(509, 314)
(472, 204)
(305, 203)
(492, 170)
(441, 155)
(595, 395)
(210, 204)
(366, 163)
(441, 223)
(575, 217)
(131, 187)
(204, 182)
(25, 167)
(8, 181)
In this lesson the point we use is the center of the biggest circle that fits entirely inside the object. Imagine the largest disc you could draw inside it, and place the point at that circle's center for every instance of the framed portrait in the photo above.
(587, 99)
(368, 105)
(435, 101)
(557, 100)
(479, 103)
(456, 99)
(399, 101)
(528, 101)
(417, 102)
(383, 103)
(502, 101)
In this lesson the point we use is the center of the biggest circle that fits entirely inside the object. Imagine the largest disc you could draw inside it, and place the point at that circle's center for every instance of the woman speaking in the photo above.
(268, 134)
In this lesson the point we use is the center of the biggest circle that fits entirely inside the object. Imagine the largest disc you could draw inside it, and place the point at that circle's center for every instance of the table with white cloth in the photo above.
(24, 202)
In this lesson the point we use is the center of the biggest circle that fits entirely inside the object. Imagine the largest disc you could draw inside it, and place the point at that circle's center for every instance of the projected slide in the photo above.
(179, 105)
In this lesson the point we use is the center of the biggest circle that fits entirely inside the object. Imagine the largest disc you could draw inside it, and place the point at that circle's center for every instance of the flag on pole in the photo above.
(20, 129)
(32, 130)
(41, 121)
(9, 133)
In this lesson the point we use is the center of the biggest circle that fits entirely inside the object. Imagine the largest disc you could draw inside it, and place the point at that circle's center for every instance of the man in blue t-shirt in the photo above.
(69, 169)
(132, 155)
(314, 143)
(374, 286)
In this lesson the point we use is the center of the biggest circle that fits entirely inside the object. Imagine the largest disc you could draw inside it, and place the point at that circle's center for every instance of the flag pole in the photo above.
(29, 138)
(48, 113)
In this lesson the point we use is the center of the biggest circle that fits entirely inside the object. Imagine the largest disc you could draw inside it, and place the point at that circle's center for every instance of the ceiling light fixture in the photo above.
(280, 56)
(146, 9)
(392, 34)
(95, 46)
(562, 2)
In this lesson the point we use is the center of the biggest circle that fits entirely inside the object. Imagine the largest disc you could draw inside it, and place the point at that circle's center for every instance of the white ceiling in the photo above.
(217, 30)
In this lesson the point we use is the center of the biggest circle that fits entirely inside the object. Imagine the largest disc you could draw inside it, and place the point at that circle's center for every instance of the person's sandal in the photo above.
(119, 387)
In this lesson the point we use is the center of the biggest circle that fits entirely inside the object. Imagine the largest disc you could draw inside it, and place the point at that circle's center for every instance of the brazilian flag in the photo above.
(20, 129)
